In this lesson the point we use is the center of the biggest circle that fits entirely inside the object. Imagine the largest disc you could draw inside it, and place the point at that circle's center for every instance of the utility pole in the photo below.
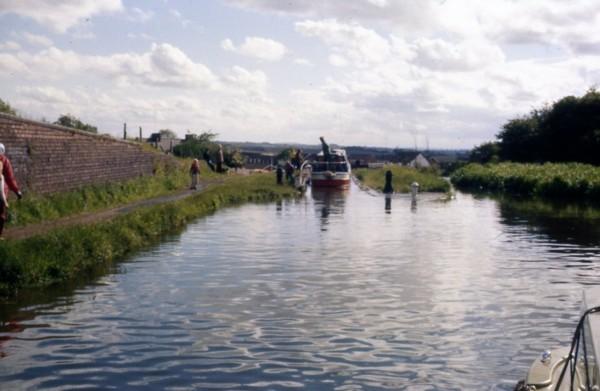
(140, 134)
(125, 131)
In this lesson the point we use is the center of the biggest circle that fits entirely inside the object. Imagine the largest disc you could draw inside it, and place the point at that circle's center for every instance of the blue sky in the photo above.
(364, 72)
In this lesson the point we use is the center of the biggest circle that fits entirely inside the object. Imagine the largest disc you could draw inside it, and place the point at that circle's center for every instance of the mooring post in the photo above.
(388, 189)
(414, 190)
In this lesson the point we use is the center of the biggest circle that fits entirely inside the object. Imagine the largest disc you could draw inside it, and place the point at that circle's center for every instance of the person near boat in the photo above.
(326, 149)
(289, 172)
(298, 159)
(8, 182)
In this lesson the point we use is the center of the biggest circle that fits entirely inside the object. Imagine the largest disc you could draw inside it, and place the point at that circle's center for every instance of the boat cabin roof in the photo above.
(337, 155)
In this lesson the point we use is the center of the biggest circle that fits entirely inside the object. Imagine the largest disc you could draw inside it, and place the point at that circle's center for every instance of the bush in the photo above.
(566, 180)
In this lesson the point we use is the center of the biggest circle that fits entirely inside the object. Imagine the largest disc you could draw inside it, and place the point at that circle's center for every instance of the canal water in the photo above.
(334, 291)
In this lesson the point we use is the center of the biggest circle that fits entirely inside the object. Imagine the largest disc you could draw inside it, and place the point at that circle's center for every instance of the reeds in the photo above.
(552, 180)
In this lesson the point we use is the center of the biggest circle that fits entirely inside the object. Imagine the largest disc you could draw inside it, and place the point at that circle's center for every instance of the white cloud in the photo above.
(353, 42)
(10, 45)
(163, 65)
(467, 55)
(389, 72)
(45, 94)
(257, 47)
(59, 15)
(337, 60)
(411, 14)
(139, 15)
(36, 39)
(177, 15)
(248, 82)
(139, 36)
(304, 62)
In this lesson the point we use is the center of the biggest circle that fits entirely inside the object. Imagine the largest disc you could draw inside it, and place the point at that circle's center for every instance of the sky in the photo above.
(442, 74)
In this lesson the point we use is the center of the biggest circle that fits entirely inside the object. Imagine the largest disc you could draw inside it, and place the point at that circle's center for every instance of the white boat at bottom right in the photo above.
(574, 367)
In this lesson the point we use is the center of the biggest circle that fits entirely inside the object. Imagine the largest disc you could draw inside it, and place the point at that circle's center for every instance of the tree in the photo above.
(6, 108)
(519, 139)
(234, 158)
(286, 154)
(485, 153)
(566, 131)
(167, 133)
(197, 145)
(71, 121)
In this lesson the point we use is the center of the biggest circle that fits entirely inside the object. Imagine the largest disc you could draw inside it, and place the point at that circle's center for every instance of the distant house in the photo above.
(258, 159)
(420, 162)
(163, 143)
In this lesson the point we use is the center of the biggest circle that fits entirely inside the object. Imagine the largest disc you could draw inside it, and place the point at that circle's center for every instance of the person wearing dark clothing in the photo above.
(298, 159)
(326, 150)
(9, 183)
(289, 172)
(279, 174)
(208, 161)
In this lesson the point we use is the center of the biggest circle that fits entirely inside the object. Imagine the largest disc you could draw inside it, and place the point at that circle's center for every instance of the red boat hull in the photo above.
(331, 182)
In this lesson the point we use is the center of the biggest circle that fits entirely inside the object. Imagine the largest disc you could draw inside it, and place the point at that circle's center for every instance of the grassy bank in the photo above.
(69, 253)
(550, 180)
(33, 208)
(402, 177)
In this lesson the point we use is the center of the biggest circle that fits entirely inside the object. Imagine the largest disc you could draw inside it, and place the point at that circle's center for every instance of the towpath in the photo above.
(16, 233)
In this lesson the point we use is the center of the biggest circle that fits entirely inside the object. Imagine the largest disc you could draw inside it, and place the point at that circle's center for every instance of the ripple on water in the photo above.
(324, 293)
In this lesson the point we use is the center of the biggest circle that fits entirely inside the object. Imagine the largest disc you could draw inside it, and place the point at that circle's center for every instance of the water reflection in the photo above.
(562, 222)
(461, 296)
(329, 202)
(388, 203)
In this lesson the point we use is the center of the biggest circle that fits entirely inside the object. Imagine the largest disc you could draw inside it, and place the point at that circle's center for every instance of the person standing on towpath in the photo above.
(194, 172)
(220, 159)
(9, 184)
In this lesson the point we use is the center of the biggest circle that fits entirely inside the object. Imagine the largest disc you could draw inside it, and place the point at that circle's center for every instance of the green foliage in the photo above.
(35, 208)
(233, 158)
(485, 153)
(71, 121)
(567, 131)
(286, 154)
(69, 253)
(566, 180)
(402, 177)
(167, 133)
(197, 145)
(6, 108)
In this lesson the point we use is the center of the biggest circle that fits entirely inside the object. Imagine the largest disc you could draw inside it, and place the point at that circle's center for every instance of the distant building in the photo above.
(420, 162)
(163, 143)
(258, 159)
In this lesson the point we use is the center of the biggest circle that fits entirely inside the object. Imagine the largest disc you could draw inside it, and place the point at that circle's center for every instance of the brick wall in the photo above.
(48, 158)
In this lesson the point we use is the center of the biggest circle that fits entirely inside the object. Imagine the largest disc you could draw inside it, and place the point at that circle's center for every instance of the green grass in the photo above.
(35, 208)
(402, 177)
(549, 180)
(72, 253)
